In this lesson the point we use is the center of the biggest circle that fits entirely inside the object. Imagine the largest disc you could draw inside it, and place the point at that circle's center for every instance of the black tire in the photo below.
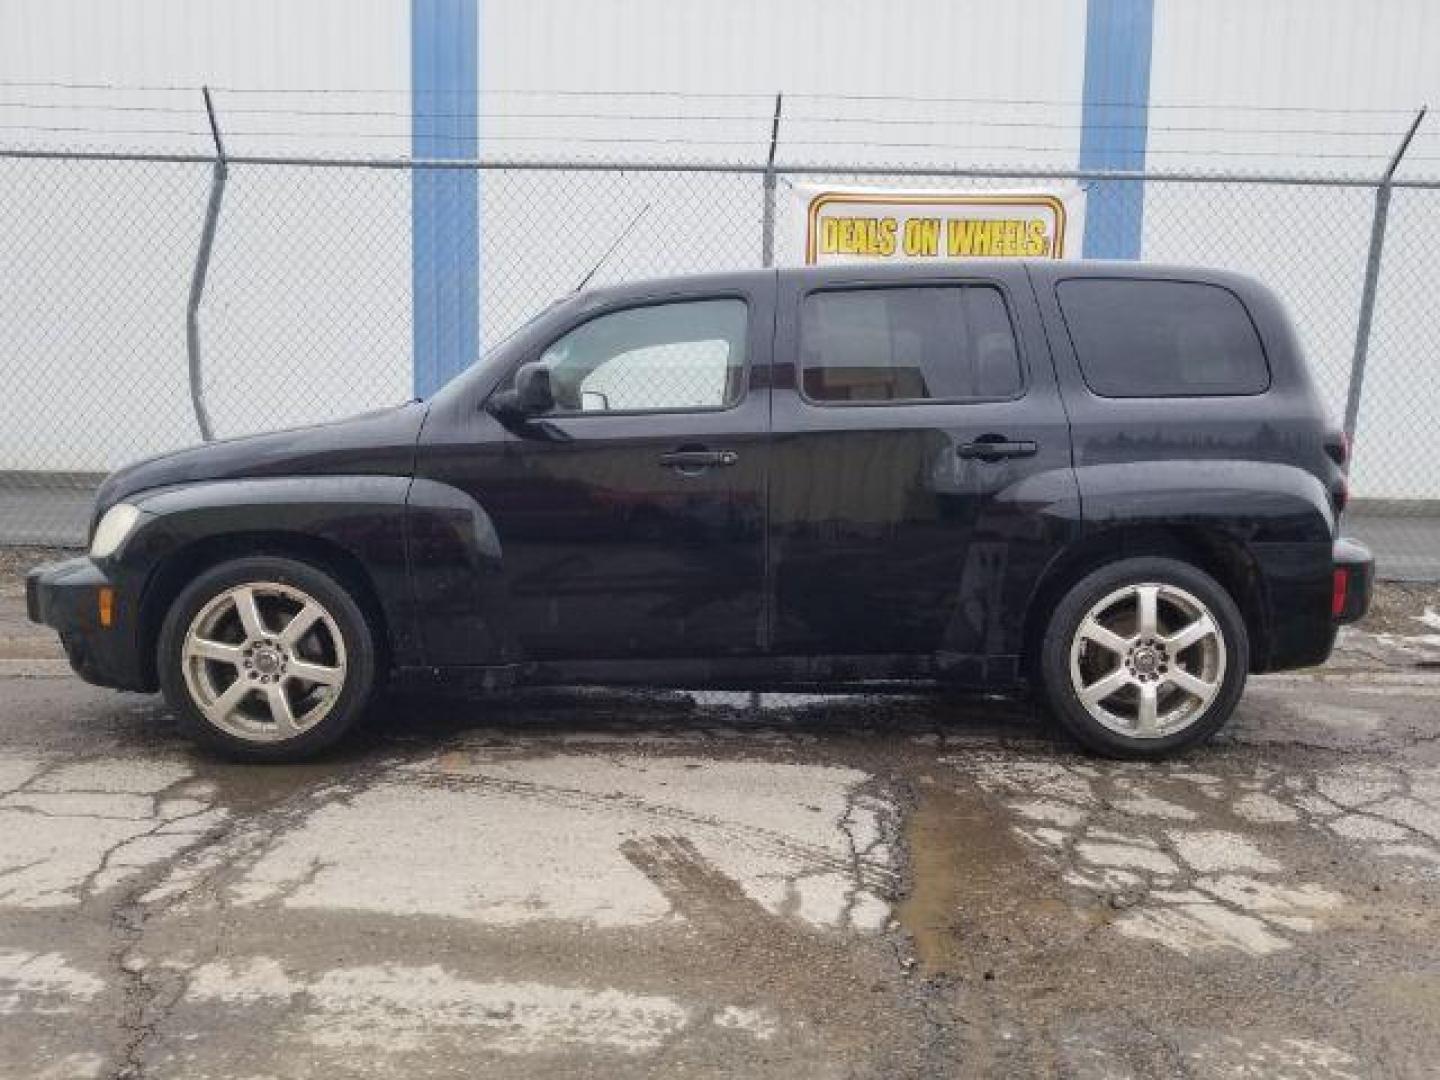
(357, 664)
(1054, 672)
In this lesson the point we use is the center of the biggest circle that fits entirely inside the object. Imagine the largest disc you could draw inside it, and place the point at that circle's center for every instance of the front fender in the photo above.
(362, 517)
(461, 595)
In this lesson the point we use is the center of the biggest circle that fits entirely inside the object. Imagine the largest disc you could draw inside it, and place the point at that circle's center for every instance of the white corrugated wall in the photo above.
(96, 257)
(309, 306)
(1330, 85)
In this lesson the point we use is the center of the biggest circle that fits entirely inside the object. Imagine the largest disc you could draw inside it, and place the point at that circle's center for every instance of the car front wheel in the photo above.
(267, 658)
(1143, 657)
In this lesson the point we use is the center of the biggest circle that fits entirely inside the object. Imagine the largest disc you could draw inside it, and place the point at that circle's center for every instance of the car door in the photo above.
(630, 517)
(919, 457)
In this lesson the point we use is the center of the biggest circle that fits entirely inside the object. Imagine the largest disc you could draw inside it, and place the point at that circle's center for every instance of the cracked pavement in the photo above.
(601, 884)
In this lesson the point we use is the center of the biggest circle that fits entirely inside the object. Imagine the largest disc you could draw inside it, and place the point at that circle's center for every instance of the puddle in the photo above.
(973, 893)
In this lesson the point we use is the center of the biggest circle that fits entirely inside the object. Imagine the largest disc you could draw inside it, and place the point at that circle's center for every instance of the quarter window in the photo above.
(908, 344)
(1138, 338)
(686, 355)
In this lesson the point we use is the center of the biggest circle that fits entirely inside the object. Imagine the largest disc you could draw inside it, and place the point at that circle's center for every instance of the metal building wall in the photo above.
(697, 80)
(1317, 85)
(1018, 50)
(247, 43)
(97, 257)
(1324, 87)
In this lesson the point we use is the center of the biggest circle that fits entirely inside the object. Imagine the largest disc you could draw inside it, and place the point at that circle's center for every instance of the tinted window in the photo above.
(1162, 338)
(907, 344)
(669, 356)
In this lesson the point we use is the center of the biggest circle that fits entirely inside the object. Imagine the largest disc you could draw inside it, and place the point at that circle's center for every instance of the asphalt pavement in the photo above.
(646, 885)
(1406, 547)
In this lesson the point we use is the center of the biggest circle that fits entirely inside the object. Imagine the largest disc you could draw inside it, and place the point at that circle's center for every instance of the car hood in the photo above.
(374, 443)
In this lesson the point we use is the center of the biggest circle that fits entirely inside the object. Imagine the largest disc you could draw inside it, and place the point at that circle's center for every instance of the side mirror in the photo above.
(531, 395)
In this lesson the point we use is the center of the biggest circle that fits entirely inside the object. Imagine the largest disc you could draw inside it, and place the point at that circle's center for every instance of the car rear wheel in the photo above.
(267, 658)
(1144, 657)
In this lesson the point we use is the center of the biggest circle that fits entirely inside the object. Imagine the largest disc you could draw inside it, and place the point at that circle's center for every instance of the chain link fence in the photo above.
(306, 308)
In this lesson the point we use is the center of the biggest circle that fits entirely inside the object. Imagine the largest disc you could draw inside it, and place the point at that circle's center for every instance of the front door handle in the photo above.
(695, 460)
(996, 448)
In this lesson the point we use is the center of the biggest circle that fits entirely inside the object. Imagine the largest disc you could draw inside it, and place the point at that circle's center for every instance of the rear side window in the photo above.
(910, 344)
(1162, 338)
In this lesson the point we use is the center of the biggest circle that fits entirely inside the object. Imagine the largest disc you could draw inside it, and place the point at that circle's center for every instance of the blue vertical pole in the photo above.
(444, 203)
(1115, 118)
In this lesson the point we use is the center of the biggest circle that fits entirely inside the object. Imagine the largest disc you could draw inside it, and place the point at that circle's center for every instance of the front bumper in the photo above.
(1353, 582)
(65, 596)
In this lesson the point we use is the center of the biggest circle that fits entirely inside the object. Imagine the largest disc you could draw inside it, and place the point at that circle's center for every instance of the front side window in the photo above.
(676, 356)
(908, 344)
(1137, 338)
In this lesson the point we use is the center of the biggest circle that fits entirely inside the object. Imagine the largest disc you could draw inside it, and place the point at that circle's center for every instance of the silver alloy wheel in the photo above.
(1147, 660)
(264, 661)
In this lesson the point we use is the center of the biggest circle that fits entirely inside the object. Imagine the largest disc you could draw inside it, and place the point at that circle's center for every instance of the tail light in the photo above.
(1339, 591)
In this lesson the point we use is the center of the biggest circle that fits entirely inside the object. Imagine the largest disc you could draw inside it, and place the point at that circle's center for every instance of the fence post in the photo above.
(767, 244)
(767, 220)
(218, 175)
(1372, 280)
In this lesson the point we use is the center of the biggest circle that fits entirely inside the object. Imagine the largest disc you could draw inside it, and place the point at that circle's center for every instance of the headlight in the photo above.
(119, 521)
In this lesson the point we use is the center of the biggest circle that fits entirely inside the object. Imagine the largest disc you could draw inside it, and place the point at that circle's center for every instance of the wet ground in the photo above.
(608, 885)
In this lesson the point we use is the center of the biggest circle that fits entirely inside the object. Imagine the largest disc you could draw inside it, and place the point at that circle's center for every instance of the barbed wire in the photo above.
(653, 117)
(760, 139)
(660, 141)
(712, 95)
(79, 129)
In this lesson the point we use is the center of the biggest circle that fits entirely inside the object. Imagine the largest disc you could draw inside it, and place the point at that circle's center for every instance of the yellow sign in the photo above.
(850, 224)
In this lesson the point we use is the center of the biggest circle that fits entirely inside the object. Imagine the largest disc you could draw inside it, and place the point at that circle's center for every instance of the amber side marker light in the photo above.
(106, 601)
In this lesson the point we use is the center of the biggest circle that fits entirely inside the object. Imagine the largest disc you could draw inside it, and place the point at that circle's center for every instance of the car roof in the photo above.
(1052, 269)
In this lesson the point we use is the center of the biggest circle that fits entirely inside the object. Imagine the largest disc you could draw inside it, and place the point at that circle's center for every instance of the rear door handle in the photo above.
(694, 460)
(996, 448)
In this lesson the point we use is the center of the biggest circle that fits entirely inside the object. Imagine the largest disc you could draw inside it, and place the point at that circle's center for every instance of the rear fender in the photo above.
(1020, 531)
(1257, 502)
(1279, 518)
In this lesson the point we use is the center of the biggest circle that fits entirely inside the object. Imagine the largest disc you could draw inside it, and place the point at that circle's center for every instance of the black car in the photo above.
(1112, 482)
